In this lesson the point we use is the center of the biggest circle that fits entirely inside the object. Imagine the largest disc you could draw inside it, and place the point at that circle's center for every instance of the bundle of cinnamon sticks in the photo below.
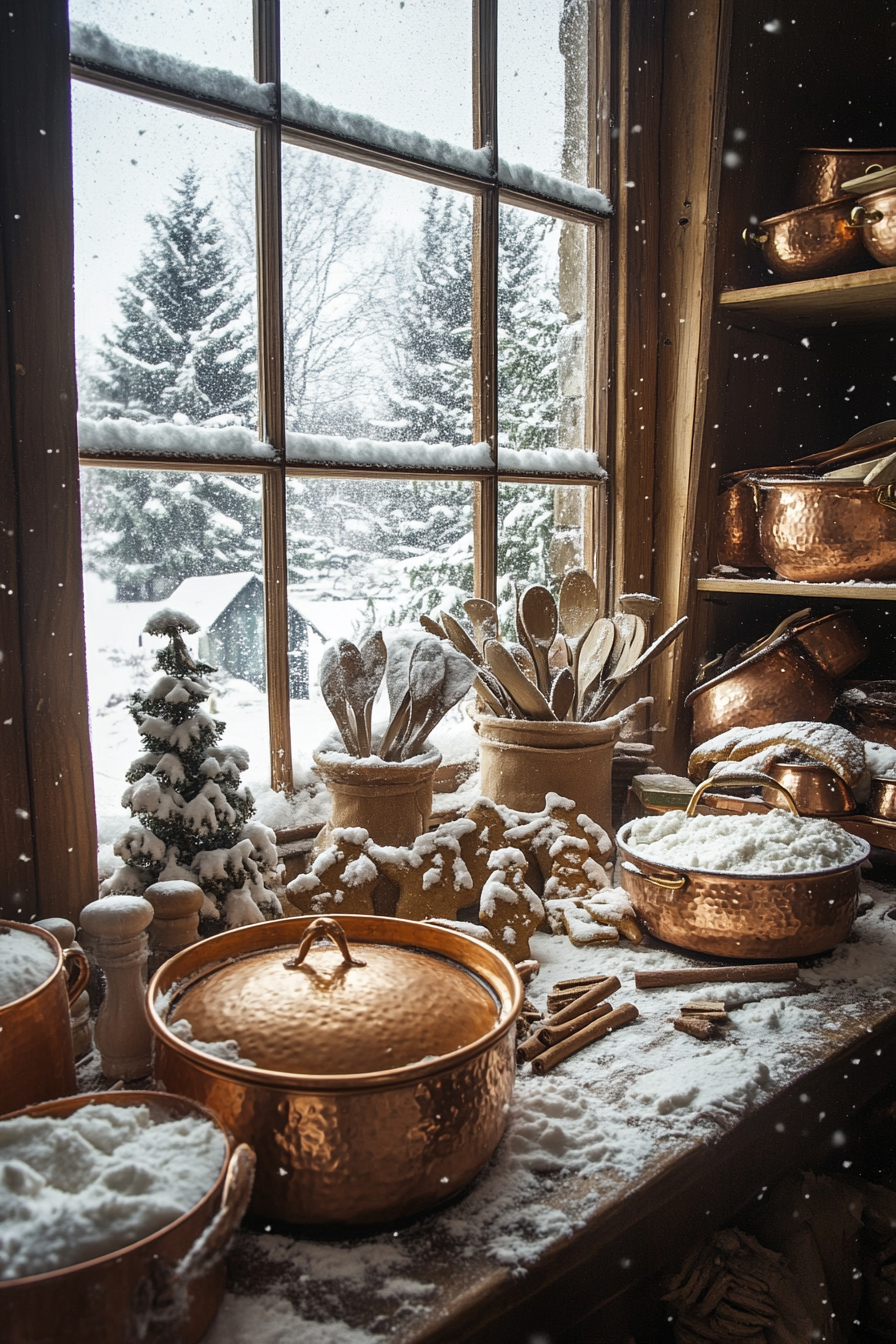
(578, 1015)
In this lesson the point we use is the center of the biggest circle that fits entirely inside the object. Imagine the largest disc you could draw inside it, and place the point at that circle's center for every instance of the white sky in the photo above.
(406, 62)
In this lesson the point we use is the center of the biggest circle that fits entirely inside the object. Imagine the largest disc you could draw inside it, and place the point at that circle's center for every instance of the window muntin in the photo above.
(545, 476)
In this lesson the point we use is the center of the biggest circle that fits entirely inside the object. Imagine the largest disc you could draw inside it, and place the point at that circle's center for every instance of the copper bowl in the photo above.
(816, 240)
(822, 172)
(153, 1291)
(780, 682)
(736, 526)
(875, 215)
(882, 802)
(342, 1135)
(817, 790)
(834, 641)
(873, 716)
(36, 1030)
(827, 531)
(755, 917)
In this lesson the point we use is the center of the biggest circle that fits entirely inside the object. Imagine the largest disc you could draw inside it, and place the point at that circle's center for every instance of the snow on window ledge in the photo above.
(549, 462)
(325, 450)
(90, 43)
(163, 440)
(552, 188)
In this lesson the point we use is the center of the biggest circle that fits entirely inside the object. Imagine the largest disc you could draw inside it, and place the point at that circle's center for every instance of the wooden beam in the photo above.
(485, 299)
(36, 224)
(692, 117)
(271, 407)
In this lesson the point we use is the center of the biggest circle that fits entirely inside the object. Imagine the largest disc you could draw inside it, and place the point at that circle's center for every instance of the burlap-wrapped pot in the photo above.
(522, 760)
(391, 800)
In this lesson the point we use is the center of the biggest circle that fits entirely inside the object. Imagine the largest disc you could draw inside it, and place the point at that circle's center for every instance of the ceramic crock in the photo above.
(382, 1058)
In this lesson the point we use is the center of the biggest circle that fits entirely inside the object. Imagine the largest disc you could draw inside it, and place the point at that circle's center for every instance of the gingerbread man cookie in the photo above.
(341, 879)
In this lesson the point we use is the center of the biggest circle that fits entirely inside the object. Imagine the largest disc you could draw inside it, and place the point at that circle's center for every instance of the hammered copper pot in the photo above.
(736, 528)
(36, 1052)
(816, 789)
(755, 917)
(875, 215)
(835, 642)
(781, 682)
(827, 531)
(384, 1060)
(814, 241)
(822, 172)
(148, 1292)
(882, 801)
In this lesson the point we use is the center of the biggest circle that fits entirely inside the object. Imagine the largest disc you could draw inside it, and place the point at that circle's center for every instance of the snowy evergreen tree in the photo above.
(192, 814)
(529, 323)
(148, 530)
(185, 349)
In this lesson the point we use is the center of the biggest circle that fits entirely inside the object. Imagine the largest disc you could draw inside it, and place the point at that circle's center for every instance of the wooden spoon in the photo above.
(779, 629)
(426, 672)
(611, 686)
(432, 627)
(460, 639)
(459, 676)
(577, 605)
(496, 704)
(538, 612)
(634, 645)
(373, 656)
(524, 661)
(563, 692)
(528, 698)
(354, 679)
(484, 616)
(522, 636)
(332, 687)
(592, 658)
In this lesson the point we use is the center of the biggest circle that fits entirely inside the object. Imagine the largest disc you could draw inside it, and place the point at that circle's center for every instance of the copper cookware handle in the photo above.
(323, 928)
(860, 218)
(886, 496)
(734, 782)
(76, 988)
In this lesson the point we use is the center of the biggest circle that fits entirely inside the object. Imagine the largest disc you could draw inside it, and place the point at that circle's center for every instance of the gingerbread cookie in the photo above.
(431, 876)
(574, 873)
(485, 832)
(509, 908)
(341, 879)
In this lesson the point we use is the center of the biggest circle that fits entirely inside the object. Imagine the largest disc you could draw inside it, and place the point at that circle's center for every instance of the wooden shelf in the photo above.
(868, 592)
(867, 297)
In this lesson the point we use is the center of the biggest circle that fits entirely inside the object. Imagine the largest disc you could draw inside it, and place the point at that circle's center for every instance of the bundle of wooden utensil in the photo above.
(425, 677)
(567, 662)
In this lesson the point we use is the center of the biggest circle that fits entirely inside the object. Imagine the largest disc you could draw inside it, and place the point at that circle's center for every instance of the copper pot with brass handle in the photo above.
(813, 241)
(827, 531)
(758, 917)
(875, 216)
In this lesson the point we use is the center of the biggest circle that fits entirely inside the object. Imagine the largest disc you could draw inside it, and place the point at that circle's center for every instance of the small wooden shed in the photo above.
(230, 611)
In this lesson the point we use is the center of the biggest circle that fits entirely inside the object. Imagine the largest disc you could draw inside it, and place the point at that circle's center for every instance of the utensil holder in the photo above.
(391, 800)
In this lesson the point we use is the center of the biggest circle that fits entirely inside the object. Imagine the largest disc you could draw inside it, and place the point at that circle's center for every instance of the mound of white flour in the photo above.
(26, 961)
(96, 1181)
(770, 842)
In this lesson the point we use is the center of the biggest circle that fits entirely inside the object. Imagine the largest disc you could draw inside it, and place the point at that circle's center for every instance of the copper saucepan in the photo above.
(385, 1063)
(36, 1030)
(813, 241)
(882, 802)
(757, 917)
(817, 790)
(827, 531)
(834, 641)
(875, 215)
(164, 1289)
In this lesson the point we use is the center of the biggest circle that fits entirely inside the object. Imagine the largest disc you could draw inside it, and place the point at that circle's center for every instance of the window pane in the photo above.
(377, 303)
(209, 32)
(192, 542)
(542, 85)
(406, 64)
(542, 264)
(365, 555)
(540, 537)
(165, 306)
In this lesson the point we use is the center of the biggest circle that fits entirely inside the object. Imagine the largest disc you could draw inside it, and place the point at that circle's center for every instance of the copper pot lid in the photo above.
(330, 1009)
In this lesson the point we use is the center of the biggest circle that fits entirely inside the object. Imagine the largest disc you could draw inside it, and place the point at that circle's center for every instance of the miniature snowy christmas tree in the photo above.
(192, 813)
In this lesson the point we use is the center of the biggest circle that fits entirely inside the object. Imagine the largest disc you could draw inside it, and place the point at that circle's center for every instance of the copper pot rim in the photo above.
(731, 672)
(634, 859)
(379, 1080)
(883, 779)
(54, 944)
(873, 196)
(76, 1103)
(818, 208)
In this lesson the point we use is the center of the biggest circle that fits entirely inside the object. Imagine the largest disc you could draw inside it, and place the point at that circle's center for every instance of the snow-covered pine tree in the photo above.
(186, 345)
(192, 814)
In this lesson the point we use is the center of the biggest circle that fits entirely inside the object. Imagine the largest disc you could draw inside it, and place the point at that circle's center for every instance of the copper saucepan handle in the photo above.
(860, 218)
(736, 782)
(754, 237)
(323, 928)
(77, 986)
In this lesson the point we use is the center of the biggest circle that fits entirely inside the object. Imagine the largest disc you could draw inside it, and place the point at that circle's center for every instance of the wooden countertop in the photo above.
(597, 1228)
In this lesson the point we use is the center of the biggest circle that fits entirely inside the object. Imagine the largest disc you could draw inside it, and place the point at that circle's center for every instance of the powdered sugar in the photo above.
(752, 844)
(26, 961)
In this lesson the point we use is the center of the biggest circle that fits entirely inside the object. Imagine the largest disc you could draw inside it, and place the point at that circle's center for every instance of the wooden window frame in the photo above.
(62, 875)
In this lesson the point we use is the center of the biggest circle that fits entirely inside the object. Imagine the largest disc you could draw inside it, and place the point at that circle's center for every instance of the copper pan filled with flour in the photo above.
(759, 886)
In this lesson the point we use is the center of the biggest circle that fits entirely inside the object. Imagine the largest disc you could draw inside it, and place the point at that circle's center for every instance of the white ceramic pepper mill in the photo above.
(63, 930)
(175, 924)
(117, 927)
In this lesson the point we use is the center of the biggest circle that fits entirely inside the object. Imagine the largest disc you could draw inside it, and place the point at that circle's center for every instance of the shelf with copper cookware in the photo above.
(868, 592)
(857, 297)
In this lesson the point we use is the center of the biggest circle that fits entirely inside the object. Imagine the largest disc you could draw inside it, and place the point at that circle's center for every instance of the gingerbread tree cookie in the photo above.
(509, 908)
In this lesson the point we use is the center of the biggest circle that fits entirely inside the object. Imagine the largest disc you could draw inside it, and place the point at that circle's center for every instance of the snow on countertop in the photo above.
(577, 1140)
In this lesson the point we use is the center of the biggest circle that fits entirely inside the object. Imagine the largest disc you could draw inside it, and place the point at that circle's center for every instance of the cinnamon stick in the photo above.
(553, 1035)
(543, 1063)
(531, 1047)
(782, 970)
(590, 999)
(582, 981)
(695, 1026)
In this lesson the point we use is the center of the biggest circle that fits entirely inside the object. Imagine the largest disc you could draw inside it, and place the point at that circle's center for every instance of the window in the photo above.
(339, 353)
